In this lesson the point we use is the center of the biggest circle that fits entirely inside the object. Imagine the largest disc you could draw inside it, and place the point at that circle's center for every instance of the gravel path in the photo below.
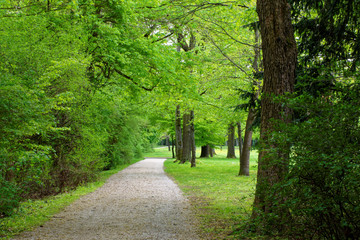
(140, 202)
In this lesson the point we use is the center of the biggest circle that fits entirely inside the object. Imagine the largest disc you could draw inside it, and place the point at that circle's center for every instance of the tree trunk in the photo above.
(172, 146)
(186, 139)
(168, 143)
(178, 134)
(205, 153)
(212, 151)
(231, 141)
(279, 58)
(245, 153)
(240, 139)
(192, 135)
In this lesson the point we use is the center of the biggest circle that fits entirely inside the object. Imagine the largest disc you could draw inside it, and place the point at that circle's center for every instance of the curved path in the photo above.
(139, 202)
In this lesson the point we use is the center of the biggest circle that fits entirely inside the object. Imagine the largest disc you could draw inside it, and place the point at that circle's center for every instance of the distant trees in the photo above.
(210, 76)
(231, 141)
(178, 134)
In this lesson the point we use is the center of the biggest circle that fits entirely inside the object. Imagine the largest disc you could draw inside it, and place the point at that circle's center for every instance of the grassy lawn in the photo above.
(159, 152)
(221, 198)
(34, 213)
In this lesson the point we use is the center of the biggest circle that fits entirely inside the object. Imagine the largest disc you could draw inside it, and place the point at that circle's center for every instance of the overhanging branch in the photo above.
(133, 81)
(227, 57)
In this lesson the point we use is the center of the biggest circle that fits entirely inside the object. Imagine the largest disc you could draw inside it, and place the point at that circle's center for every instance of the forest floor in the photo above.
(139, 202)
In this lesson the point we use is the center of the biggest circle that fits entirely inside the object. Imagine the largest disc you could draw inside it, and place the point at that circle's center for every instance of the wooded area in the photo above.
(88, 85)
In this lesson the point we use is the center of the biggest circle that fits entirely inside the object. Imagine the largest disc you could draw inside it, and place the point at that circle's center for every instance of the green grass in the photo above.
(161, 152)
(221, 198)
(34, 213)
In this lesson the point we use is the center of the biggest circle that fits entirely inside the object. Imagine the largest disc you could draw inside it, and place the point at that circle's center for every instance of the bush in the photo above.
(322, 187)
(9, 197)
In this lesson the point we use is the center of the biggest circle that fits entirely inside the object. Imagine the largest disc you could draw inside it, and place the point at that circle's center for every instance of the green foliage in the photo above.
(328, 31)
(321, 189)
(71, 77)
(9, 197)
(328, 43)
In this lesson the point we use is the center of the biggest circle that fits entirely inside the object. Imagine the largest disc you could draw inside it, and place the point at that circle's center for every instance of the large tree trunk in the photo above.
(186, 139)
(205, 153)
(245, 153)
(192, 135)
(178, 134)
(279, 58)
(231, 141)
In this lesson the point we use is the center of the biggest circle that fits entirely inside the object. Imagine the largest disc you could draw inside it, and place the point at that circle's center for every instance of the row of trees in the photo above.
(84, 82)
(223, 69)
(309, 155)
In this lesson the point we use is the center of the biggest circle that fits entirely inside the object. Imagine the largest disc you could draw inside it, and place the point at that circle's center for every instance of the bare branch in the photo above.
(182, 42)
(151, 30)
(133, 81)
(160, 39)
(224, 32)
(226, 56)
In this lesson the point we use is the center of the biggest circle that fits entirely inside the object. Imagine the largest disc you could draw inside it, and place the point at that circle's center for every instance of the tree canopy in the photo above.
(88, 85)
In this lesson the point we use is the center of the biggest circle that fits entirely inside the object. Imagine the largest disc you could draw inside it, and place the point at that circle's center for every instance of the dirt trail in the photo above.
(140, 202)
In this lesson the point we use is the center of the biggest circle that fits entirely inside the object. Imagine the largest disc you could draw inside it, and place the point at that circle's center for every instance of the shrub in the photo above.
(322, 188)
(9, 197)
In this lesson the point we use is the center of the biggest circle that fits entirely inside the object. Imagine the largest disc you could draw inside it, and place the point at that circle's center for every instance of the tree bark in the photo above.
(279, 58)
(186, 139)
(192, 135)
(240, 137)
(172, 146)
(212, 151)
(240, 142)
(245, 153)
(205, 152)
(168, 143)
(231, 141)
(178, 134)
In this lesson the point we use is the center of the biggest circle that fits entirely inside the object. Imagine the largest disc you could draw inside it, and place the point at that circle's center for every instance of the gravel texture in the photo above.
(139, 202)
